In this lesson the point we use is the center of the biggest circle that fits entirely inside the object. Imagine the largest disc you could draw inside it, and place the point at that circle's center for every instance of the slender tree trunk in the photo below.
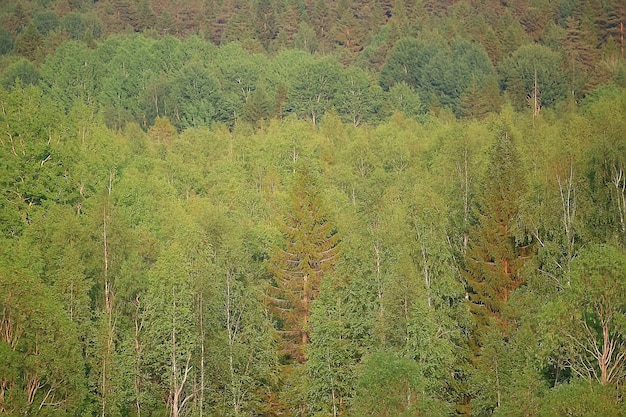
(108, 303)
(380, 293)
(175, 394)
(426, 272)
(332, 385)
(619, 181)
(464, 180)
(201, 399)
(232, 325)
(138, 352)
(305, 316)
(498, 394)
(568, 207)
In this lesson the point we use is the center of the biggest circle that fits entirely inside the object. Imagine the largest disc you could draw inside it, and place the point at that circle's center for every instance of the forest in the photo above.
(312, 208)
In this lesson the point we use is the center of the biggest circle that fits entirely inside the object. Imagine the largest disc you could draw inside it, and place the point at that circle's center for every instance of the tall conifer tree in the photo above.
(309, 252)
(495, 254)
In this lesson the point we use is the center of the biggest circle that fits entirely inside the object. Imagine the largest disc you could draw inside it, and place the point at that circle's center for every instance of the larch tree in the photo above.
(309, 252)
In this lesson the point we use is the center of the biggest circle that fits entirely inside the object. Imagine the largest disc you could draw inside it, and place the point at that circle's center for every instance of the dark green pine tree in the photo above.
(497, 249)
(309, 252)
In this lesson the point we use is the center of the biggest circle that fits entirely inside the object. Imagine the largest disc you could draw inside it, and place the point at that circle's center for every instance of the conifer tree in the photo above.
(495, 253)
(309, 252)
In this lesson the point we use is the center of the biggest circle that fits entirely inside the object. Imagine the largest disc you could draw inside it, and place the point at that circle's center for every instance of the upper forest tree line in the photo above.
(207, 62)
(235, 208)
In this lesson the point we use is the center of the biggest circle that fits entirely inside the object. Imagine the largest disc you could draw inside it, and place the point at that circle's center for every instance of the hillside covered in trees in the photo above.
(312, 208)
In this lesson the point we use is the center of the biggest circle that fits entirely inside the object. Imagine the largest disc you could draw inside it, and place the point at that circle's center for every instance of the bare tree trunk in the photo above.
(233, 322)
(177, 386)
(305, 303)
(138, 351)
(464, 180)
(619, 181)
(568, 206)
(109, 298)
(201, 355)
(380, 293)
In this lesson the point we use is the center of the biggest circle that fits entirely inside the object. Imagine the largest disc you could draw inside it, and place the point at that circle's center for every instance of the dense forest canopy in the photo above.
(312, 208)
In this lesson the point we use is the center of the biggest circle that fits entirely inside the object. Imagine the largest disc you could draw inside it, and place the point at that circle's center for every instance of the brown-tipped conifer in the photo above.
(309, 252)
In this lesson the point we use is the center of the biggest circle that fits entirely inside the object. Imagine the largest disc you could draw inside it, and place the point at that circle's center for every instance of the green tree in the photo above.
(393, 386)
(589, 310)
(6, 41)
(406, 62)
(335, 349)
(405, 99)
(315, 85)
(71, 75)
(580, 398)
(41, 366)
(170, 326)
(359, 99)
(534, 71)
(46, 22)
(22, 72)
(241, 351)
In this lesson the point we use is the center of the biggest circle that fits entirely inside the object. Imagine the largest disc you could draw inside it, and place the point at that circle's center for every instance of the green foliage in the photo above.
(392, 386)
(532, 65)
(41, 357)
(439, 73)
(81, 27)
(581, 398)
(147, 179)
(20, 73)
(46, 22)
(6, 41)
(404, 99)
(32, 162)
(596, 330)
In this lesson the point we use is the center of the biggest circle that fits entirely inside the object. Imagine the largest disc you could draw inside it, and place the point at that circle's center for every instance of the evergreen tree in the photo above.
(497, 249)
(309, 252)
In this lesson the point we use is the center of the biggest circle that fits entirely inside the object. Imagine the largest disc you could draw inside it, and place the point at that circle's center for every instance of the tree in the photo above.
(46, 22)
(534, 68)
(393, 386)
(439, 73)
(314, 88)
(403, 98)
(336, 346)
(580, 398)
(359, 99)
(28, 43)
(6, 41)
(406, 62)
(309, 253)
(22, 72)
(497, 246)
(71, 75)
(170, 323)
(590, 310)
(41, 369)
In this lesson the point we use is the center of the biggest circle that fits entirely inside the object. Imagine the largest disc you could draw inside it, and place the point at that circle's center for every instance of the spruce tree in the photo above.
(496, 253)
(309, 252)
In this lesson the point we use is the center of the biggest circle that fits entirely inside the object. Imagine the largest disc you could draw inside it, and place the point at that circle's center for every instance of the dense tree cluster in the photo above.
(480, 270)
(312, 208)
(200, 63)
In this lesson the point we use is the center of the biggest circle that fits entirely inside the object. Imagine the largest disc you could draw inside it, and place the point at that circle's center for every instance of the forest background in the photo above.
(313, 208)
